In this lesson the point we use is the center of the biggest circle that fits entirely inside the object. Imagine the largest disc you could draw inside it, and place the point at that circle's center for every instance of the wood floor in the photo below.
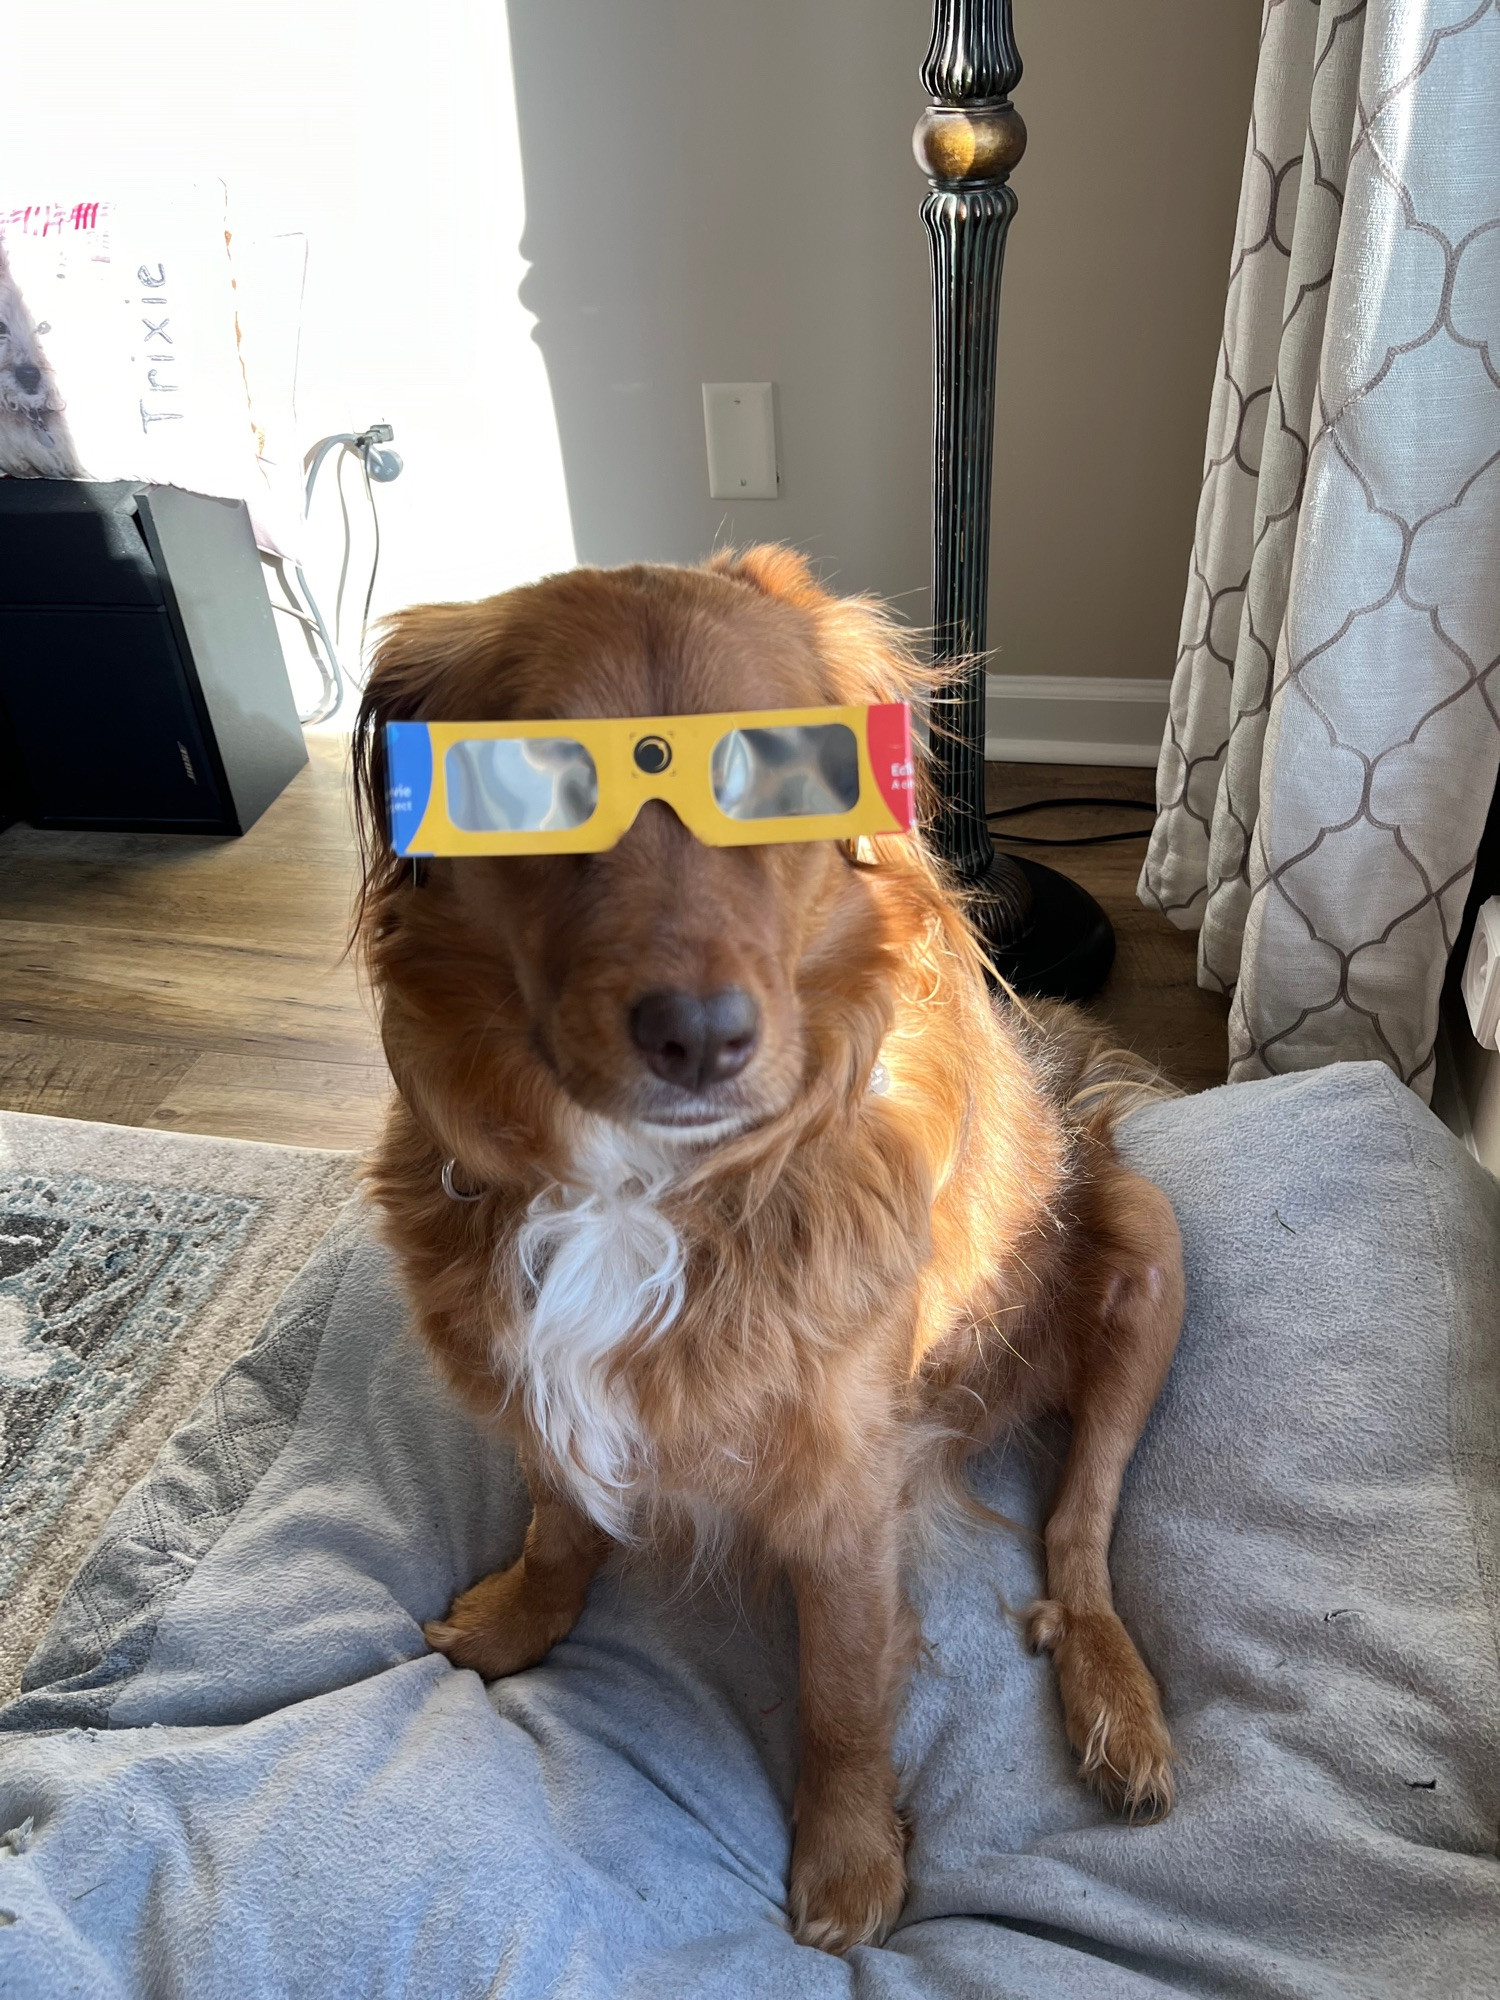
(1152, 998)
(198, 984)
(190, 982)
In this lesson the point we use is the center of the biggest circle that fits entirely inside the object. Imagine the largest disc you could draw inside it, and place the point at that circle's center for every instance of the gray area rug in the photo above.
(134, 1266)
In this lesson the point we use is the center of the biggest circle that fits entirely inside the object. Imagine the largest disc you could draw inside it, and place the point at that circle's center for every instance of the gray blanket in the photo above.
(238, 1772)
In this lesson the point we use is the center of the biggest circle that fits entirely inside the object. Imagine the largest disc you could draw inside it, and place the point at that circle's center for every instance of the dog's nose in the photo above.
(694, 1039)
(29, 376)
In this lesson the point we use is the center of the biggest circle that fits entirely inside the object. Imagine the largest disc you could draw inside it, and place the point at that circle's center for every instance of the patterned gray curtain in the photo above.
(1334, 733)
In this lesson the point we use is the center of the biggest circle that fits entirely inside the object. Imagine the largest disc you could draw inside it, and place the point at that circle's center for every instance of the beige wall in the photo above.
(723, 191)
(718, 192)
(1111, 314)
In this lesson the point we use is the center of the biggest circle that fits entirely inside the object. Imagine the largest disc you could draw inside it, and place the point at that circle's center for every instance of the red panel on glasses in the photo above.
(888, 734)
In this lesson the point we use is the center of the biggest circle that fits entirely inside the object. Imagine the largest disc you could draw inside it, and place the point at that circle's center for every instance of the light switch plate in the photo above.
(740, 420)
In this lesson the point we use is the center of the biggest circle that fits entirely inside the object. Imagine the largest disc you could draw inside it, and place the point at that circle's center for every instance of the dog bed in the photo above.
(237, 1771)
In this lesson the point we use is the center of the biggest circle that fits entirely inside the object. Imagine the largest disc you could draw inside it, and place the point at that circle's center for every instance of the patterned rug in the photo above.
(134, 1266)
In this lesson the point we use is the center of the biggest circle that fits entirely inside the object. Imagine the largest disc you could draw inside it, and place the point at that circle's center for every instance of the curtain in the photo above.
(1334, 731)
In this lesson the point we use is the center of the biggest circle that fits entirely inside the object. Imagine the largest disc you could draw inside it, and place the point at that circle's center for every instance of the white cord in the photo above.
(332, 673)
(313, 631)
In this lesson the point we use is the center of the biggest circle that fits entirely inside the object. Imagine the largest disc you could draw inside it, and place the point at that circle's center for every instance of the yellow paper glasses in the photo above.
(575, 786)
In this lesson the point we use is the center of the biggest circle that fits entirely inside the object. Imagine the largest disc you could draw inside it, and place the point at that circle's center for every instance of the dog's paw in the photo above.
(1111, 1707)
(848, 1877)
(495, 1629)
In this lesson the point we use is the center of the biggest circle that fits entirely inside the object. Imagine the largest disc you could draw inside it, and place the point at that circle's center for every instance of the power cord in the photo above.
(380, 465)
(1083, 840)
(319, 645)
(364, 616)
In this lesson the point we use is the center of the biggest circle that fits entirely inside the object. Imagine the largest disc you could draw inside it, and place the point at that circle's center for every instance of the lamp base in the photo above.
(1046, 936)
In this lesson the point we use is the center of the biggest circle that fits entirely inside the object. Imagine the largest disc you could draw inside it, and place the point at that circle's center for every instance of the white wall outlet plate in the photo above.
(1481, 981)
(740, 419)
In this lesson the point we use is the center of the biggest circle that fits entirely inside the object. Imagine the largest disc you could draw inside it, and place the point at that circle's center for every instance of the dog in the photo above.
(34, 437)
(774, 1215)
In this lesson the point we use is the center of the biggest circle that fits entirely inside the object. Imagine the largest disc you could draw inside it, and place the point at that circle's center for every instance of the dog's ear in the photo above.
(775, 571)
(425, 658)
(871, 656)
(400, 678)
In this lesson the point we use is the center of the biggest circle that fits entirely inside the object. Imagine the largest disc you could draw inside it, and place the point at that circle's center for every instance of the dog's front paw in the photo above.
(496, 1628)
(848, 1876)
(1111, 1707)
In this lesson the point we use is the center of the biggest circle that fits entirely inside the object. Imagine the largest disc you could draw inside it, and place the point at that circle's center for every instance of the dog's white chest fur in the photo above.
(597, 1262)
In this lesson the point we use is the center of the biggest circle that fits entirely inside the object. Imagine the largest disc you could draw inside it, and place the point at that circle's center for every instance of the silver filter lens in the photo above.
(793, 772)
(520, 784)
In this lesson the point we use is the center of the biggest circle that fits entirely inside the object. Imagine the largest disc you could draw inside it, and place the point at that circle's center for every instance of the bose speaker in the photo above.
(141, 675)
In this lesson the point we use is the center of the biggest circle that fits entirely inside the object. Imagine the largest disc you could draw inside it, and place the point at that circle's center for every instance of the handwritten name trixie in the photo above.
(163, 357)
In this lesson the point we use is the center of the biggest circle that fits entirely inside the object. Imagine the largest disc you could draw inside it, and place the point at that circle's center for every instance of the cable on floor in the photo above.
(1082, 840)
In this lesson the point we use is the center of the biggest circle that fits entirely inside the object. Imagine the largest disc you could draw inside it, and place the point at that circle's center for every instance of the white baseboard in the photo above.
(1068, 750)
(1074, 719)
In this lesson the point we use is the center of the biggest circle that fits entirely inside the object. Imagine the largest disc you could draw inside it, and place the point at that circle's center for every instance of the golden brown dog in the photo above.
(715, 1280)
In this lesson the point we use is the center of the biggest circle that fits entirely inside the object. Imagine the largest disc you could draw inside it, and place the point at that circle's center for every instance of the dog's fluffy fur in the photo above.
(784, 1308)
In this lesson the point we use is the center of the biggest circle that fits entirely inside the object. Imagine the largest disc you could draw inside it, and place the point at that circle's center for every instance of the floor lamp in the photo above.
(1046, 934)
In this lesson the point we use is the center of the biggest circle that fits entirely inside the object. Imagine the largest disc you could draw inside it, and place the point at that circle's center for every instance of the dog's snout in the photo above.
(28, 375)
(694, 1039)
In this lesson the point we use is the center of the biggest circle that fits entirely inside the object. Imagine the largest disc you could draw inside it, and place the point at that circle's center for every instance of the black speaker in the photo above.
(141, 676)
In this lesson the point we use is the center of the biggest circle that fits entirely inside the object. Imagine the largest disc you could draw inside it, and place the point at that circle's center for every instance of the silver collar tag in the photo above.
(455, 1193)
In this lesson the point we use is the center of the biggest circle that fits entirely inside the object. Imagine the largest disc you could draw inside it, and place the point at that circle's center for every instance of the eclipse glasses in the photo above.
(574, 786)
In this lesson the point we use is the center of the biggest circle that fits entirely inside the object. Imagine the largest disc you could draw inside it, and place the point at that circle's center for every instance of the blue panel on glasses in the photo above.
(408, 766)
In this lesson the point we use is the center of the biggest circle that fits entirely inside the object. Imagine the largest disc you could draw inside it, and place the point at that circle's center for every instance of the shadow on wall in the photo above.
(721, 192)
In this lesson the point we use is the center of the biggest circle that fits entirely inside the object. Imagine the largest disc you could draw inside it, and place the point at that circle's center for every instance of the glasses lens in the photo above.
(520, 784)
(793, 772)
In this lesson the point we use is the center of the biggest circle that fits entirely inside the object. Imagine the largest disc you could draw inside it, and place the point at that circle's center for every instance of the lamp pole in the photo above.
(1045, 933)
(967, 142)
